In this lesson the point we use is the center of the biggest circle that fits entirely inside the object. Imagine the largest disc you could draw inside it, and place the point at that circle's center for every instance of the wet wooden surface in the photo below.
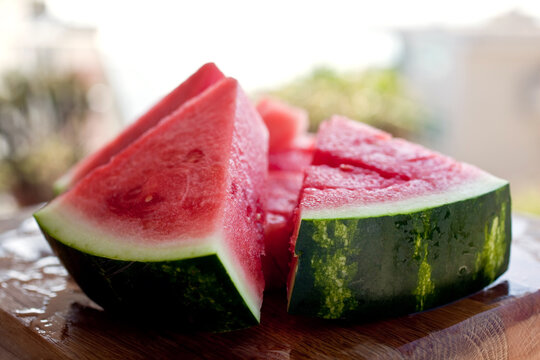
(44, 315)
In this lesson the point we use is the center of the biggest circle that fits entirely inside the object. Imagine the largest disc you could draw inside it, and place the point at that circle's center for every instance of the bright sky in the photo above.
(150, 46)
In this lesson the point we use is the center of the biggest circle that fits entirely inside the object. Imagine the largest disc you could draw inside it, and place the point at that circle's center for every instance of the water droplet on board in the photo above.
(46, 261)
(28, 266)
(39, 290)
(29, 312)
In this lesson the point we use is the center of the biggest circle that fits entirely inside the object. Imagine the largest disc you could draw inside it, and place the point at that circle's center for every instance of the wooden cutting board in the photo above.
(44, 315)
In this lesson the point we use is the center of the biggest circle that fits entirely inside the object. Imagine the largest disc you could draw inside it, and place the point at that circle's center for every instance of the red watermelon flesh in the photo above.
(356, 164)
(180, 190)
(285, 123)
(290, 152)
(275, 262)
(296, 158)
(197, 83)
(283, 189)
(342, 141)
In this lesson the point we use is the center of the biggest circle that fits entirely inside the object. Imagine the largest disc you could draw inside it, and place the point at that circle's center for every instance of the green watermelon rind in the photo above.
(402, 262)
(104, 255)
(61, 185)
(194, 294)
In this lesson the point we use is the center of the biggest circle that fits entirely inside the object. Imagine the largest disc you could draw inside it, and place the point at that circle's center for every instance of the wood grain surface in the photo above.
(44, 315)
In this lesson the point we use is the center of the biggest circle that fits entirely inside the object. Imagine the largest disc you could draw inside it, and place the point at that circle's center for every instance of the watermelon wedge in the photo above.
(282, 191)
(295, 158)
(386, 227)
(290, 152)
(203, 78)
(172, 226)
(285, 123)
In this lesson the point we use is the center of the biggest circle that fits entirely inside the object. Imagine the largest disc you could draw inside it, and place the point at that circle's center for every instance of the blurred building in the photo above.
(55, 102)
(35, 43)
(481, 87)
(31, 39)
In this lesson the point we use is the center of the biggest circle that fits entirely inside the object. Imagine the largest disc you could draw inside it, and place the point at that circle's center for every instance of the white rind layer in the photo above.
(63, 183)
(69, 227)
(73, 231)
(238, 278)
(476, 187)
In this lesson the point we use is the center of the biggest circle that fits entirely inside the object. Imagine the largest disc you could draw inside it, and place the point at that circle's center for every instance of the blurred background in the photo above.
(461, 77)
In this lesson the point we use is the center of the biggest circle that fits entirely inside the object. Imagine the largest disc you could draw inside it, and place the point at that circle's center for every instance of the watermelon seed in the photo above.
(148, 198)
(346, 167)
(194, 156)
(132, 193)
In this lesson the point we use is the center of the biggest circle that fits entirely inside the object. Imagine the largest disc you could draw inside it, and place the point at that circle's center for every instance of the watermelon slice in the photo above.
(295, 158)
(172, 226)
(206, 76)
(386, 227)
(283, 189)
(290, 152)
(285, 123)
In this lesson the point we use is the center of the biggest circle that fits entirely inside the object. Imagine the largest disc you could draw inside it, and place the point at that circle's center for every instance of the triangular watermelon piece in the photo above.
(206, 76)
(282, 191)
(387, 227)
(173, 225)
(295, 158)
(285, 123)
(290, 152)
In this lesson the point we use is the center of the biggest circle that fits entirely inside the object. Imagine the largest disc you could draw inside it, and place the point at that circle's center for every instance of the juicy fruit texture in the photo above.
(283, 189)
(295, 158)
(290, 152)
(285, 123)
(387, 227)
(203, 78)
(173, 225)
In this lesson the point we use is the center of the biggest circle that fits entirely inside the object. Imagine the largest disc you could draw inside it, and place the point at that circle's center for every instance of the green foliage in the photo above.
(527, 199)
(375, 96)
(6, 177)
(41, 116)
(34, 106)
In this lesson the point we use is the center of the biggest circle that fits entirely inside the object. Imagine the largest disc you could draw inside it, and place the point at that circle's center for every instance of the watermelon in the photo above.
(172, 226)
(290, 152)
(295, 158)
(282, 189)
(386, 227)
(206, 76)
(285, 123)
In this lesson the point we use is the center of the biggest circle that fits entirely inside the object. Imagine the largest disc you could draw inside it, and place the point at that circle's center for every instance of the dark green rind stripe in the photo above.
(189, 294)
(376, 267)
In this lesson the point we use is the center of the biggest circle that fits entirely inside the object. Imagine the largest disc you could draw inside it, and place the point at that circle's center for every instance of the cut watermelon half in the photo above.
(387, 227)
(172, 226)
(203, 78)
